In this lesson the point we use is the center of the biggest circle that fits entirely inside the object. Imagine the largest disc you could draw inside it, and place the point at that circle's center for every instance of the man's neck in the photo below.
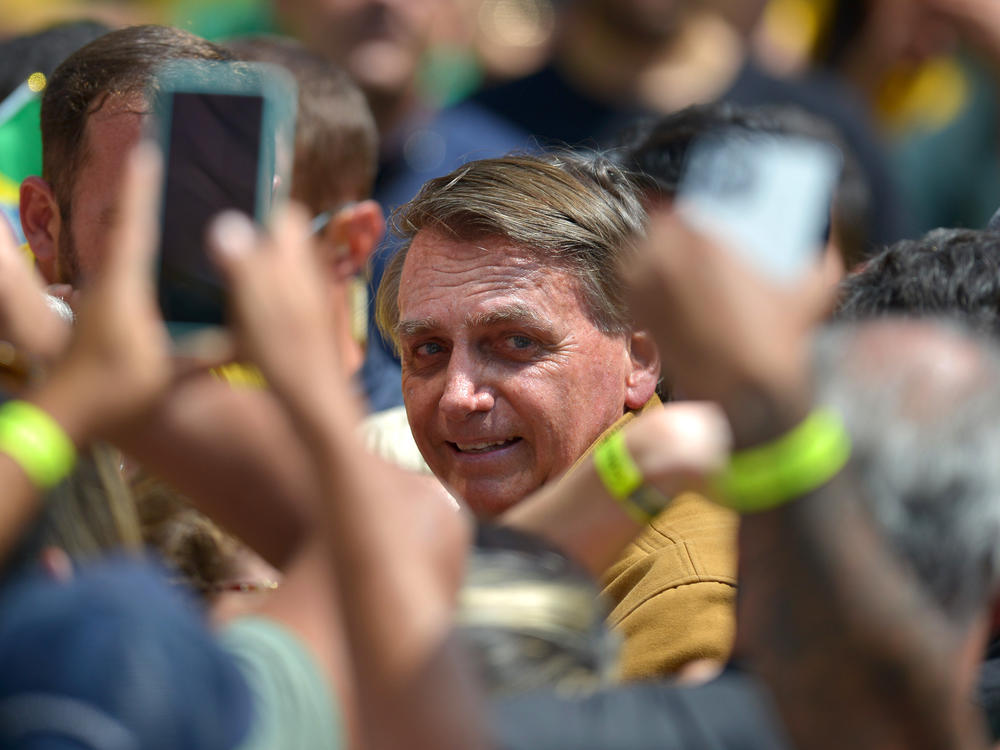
(663, 73)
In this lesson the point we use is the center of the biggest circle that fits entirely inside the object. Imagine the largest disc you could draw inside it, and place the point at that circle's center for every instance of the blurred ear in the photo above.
(352, 236)
(41, 222)
(644, 369)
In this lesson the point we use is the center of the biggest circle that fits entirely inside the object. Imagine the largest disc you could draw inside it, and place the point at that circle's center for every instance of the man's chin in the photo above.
(487, 500)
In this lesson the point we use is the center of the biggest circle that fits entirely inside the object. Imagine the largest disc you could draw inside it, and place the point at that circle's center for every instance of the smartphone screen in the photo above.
(768, 197)
(213, 164)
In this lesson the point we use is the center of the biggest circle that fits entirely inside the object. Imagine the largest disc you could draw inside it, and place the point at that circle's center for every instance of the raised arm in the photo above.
(855, 654)
(393, 550)
(115, 365)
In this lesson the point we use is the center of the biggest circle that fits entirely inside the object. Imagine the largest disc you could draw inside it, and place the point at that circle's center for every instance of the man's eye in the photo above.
(520, 342)
(428, 349)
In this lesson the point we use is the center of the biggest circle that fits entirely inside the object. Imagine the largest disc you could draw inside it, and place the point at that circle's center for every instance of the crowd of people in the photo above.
(506, 451)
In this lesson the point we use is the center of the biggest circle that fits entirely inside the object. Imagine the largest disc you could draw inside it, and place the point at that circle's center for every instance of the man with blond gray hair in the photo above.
(519, 354)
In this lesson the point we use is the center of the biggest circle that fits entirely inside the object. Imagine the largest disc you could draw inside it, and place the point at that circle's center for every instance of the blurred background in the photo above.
(923, 72)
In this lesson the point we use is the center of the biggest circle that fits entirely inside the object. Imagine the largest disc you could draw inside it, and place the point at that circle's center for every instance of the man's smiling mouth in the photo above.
(483, 446)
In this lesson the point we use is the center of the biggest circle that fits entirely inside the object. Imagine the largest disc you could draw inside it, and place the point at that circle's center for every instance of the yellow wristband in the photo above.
(36, 442)
(800, 461)
(623, 479)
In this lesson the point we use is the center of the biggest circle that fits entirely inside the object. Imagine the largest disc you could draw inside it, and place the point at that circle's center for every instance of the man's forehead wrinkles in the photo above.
(509, 313)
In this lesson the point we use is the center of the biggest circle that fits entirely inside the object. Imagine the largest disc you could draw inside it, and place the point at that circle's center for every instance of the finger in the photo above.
(292, 233)
(133, 239)
(232, 240)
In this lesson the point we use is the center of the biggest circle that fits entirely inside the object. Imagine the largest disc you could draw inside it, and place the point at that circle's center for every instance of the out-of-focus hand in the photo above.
(725, 333)
(26, 320)
(279, 303)
(118, 361)
(680, 446)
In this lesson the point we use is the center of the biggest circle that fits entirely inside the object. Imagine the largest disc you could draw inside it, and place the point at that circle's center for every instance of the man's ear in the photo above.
(352, 236)
(41, 222)
(644, 370)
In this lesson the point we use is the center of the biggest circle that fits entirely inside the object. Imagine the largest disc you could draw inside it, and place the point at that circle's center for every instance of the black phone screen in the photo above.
(213, 153)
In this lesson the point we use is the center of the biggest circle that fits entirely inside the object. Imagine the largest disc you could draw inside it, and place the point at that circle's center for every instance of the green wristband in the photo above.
(800, 461)
(623, 479)
(36, 442)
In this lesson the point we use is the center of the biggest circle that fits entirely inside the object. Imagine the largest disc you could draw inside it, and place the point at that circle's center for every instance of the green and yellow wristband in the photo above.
(36, 443)
(623, 479)
(800, 461)
(755, 480)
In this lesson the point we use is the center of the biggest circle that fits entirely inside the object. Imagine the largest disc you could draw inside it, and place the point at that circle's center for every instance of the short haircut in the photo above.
(336, 143)
(923, 454)
(657, 151)
(946, 273)
(575, 211)
(119, 64)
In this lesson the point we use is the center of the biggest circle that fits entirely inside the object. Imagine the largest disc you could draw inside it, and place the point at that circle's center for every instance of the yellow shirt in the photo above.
(673, 590)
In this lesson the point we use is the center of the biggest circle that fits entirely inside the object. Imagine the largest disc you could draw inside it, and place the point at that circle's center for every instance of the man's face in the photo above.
(506, 380)
(379, 42)
(110, 134)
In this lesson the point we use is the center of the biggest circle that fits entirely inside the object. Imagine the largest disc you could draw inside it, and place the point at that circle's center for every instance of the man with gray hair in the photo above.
(519, 353)
(508, 310)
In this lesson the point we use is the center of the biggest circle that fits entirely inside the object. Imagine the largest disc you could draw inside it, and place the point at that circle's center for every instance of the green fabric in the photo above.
(221, 19)
(951, 177)
(21, 136)
(295, 708)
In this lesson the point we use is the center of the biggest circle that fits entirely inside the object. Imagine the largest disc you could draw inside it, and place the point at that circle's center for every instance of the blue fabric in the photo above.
(118, 645)
(732, 712)
(429, 146)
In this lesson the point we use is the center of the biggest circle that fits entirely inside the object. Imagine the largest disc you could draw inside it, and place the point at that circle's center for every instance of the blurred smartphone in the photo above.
(767, 197)
(227, 135)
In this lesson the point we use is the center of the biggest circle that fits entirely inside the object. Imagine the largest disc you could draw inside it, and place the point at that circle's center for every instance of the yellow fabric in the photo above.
(240, 375)
(673, 590)
(10, 191)
(925, 98)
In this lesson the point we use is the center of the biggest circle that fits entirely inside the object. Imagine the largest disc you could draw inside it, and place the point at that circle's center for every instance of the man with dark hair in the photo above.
(947, 272)
(92, 118)
(92, 114)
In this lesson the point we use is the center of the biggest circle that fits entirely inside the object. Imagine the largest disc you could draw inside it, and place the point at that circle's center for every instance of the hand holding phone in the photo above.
(226, 130)
(766, 197)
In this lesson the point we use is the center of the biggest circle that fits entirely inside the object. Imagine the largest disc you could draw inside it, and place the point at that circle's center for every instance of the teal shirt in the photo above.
(294, 706)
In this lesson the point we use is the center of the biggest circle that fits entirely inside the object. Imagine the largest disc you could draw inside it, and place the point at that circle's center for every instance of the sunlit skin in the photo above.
(506, 380)
(110, 134)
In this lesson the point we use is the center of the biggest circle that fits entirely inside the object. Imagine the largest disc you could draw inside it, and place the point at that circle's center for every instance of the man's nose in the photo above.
(465, 391)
